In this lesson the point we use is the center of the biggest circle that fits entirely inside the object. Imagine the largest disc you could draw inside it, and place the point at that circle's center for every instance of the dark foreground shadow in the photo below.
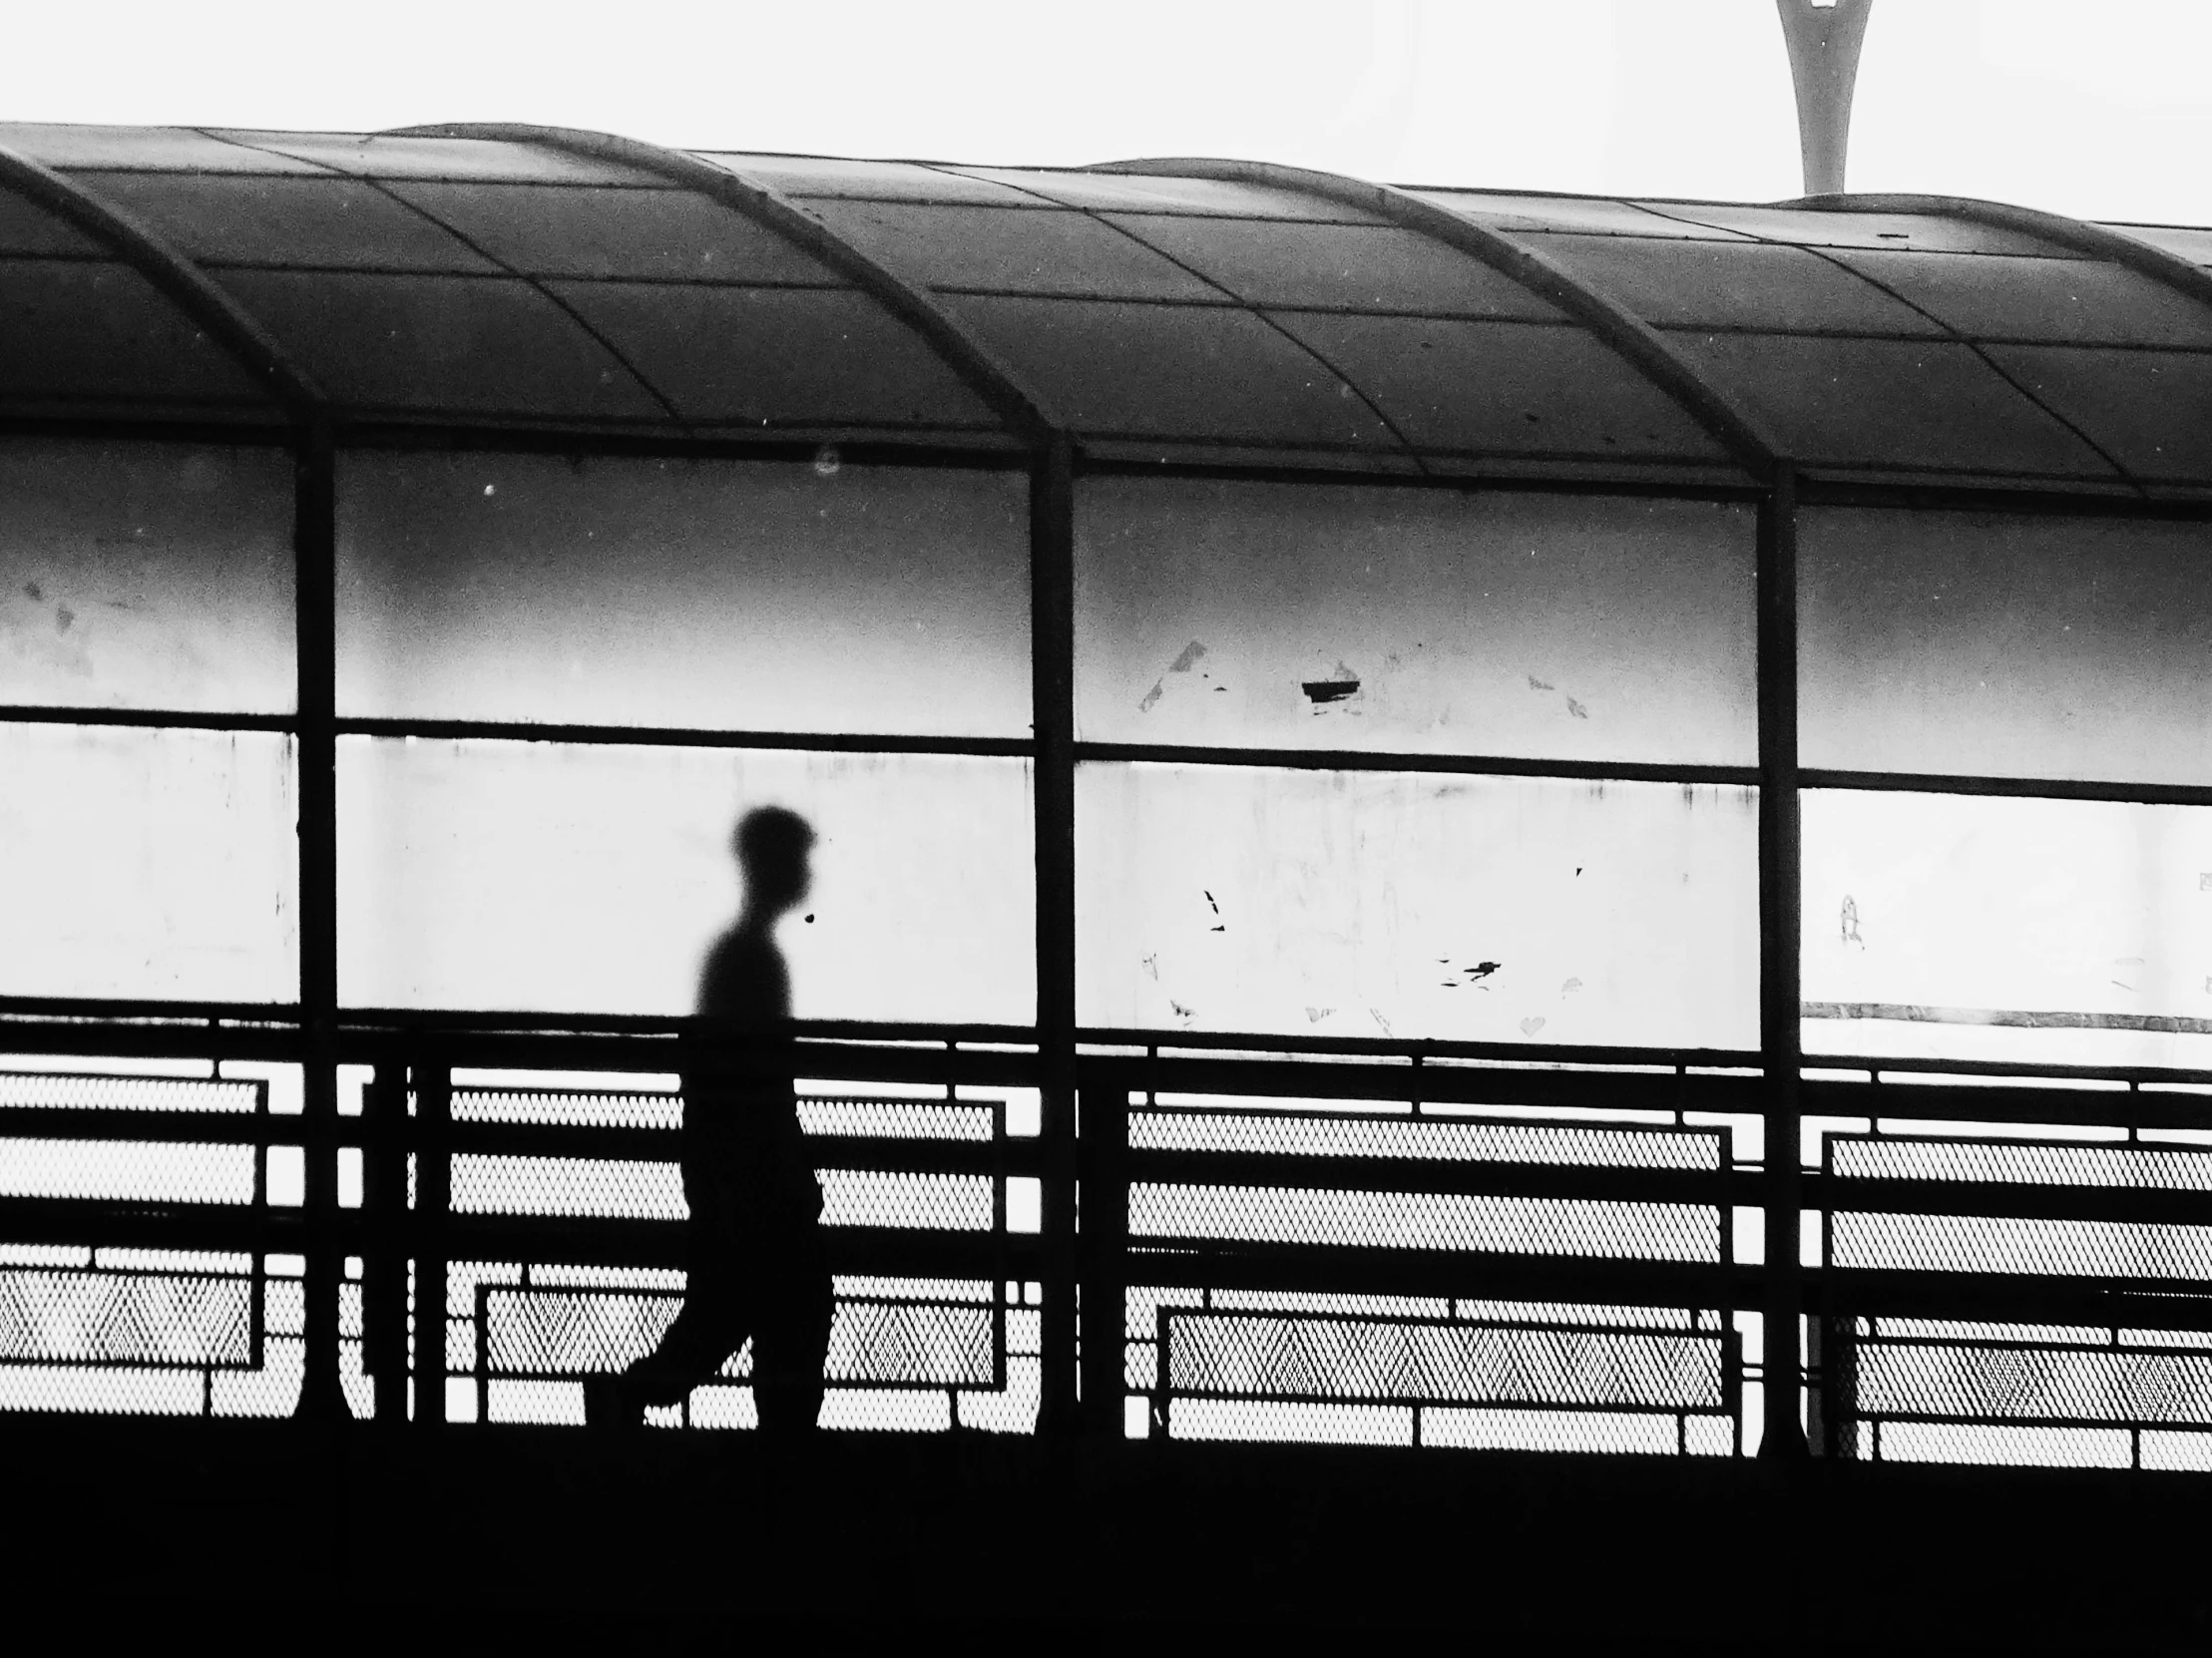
(755, 1268)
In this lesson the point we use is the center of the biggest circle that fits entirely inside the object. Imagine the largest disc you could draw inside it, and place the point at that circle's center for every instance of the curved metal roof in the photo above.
(1184, 312)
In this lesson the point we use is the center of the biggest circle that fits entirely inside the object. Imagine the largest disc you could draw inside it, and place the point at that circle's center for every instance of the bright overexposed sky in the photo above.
(2100, 107)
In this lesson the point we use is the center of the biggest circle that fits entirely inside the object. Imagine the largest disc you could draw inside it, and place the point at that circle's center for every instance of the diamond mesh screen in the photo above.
(921, 1202)
(127, 1093)
(1993, 1244)
(572, 1332)
(2060, 1385)
(576, 1109)
(895, 1119)
(2015, 1163)
(603, 1188)
(130, 1171)
(125, 1318)
(1284, 1134)
(1404, 1220)
(1371, 1359)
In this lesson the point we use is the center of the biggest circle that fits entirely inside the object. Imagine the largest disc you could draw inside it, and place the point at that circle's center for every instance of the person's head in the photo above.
(772, 846)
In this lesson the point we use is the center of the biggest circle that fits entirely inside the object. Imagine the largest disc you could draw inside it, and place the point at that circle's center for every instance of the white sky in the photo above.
(2092, 107)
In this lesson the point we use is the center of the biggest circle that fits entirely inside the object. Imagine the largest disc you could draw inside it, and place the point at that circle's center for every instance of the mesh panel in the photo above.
(1401, 1220)
(886, 1411)
(1366, 1360)
(1298, 1301)
(1481, 1142)
(890, 1340)
(166, 1392)
(2051, 1384)
(133, 1170)
(1614, 1432)
(1976, 1243)
(125, 1318)
(127, 1093)
(1012, 1410)
(2061, 1448)
(2022, 1164)
(573, 1332)
(895, 1119)
(1569, 1312)
(1239, 1419)
(909, 1289)
(1964, 1330)
(552, 1403)
(271, 1391)
(229, 1261)
(544, 1332)
(576, 1109)
(1142, 1304)
(923, 1203)
(2178, 1452)
(603, 1188)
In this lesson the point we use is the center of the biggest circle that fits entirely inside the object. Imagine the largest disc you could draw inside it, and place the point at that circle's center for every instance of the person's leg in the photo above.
(711, 1326)
(791, 1343)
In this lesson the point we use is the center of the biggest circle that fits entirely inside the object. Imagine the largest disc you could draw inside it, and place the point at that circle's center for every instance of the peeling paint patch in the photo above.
(1314, 1015)
(1570, 986)
(1159, 687)
(1336, 689)
(1189, 660)
(1530, 1027)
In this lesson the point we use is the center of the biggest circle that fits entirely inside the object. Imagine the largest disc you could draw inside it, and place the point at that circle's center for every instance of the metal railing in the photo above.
(1370, 1246)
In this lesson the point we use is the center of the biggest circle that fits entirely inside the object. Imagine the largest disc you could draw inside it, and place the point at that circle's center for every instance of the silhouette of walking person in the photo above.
(756, 1266)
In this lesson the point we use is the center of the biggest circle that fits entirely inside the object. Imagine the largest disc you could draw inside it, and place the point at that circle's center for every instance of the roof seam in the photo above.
(405, 206)
(1956, 337)
(1605, 318)
(1237, 302)
(173, 274)
(970, 360)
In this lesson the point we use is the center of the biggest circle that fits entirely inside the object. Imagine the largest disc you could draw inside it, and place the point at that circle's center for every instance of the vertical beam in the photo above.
(1780, 901)
(314, 546)
(1824, 36)
(1052, 709)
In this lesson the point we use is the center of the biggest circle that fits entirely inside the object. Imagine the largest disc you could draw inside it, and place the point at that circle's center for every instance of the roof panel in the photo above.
(1356, 267)
(553, 230)
(1050, 250)
(867, 180)
(26, 228)
(89, 332)
(320, 221)
(2180, 240)
(1730, 284)
(762, 357)
(1504, 388)
(369, 156)
(1889, 405)
(2058, 301)
(1813, 228)
(146, 149)
(2151, 410)
(1567, 215)
(1199, 372)
(441, 345)
(1135, 193)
